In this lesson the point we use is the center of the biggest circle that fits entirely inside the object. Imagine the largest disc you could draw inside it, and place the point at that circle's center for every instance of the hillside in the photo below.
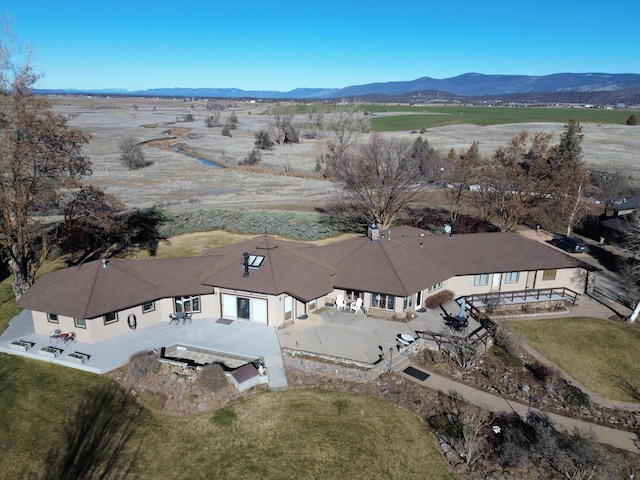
(587, 86)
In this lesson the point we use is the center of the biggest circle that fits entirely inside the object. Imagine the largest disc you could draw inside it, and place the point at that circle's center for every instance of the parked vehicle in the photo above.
(570, 244)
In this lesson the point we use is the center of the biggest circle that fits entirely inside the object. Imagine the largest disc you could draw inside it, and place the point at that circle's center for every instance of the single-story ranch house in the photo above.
(274, 281)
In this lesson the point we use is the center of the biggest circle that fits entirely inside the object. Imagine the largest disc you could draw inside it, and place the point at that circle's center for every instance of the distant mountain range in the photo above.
(607, 87)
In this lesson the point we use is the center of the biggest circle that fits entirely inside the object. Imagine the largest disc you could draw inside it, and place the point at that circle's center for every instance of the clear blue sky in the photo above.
(281, 45)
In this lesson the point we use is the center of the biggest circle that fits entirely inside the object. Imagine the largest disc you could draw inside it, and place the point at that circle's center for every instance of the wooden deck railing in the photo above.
(530, 295)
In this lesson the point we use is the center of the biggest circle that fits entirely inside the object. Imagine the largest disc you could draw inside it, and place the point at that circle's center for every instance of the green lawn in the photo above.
(597, 353)
(437, 116)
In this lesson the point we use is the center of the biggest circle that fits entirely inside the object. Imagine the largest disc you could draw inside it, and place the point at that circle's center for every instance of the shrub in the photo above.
(226, 132)
(434, 301)
(142, 363)
(540, 372)
(253, 158)
(132, 155)
(632, 120)
(263, 140)
(507, 340)
(575, 396)
(212, 377)
(213, 120)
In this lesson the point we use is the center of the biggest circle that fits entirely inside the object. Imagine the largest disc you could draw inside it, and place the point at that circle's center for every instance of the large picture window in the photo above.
(481, 279)
(382, 301)
(549, 274)
(187, 304)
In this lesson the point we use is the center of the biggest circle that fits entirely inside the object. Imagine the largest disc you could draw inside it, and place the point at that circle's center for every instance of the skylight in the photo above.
(254, 261)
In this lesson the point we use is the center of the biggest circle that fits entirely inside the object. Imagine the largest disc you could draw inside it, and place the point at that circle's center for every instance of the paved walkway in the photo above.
(617, 438)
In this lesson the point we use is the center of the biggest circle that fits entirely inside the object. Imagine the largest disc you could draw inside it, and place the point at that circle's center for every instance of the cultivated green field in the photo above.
(597, 353)
(415, 118)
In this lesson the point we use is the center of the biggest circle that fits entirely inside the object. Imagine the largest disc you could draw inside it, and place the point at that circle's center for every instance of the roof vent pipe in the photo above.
(105, 263)
(388, 234)
(246, 264)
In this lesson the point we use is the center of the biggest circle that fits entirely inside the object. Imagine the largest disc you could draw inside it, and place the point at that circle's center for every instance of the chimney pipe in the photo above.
(105, 263)
(246, 264)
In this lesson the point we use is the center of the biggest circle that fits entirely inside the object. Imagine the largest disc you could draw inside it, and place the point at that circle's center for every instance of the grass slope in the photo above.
(597, 353)
(61, 423)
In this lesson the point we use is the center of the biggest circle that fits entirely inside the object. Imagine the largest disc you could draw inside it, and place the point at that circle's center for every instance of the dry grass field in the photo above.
(286, 179)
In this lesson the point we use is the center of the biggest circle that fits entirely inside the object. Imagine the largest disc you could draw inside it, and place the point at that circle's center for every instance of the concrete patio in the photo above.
(235, 338)
(356, 336)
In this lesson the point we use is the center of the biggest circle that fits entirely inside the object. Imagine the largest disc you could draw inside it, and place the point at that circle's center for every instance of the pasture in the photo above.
(391, 118)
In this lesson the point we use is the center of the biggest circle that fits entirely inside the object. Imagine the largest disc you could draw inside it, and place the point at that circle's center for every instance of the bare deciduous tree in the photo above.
(629, 264)
(379, 178)
(346, 123)
(41, 159)
(316, 113)
(461, 176)
(131, 154)
(282, 121)
(213, 120)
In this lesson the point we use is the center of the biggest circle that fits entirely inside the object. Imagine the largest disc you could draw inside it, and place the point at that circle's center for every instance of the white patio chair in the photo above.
(340, 303)
(357, 305)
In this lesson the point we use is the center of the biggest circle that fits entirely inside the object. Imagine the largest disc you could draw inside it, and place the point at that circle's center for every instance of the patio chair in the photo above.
(340, 302)
(357, 305)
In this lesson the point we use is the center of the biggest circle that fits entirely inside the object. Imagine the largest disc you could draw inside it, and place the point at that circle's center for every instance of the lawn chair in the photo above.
(355, 306)
(340, 302)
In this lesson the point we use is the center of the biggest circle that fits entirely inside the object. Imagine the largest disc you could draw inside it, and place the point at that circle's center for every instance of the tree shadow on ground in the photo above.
(136, 230)
(98, 439)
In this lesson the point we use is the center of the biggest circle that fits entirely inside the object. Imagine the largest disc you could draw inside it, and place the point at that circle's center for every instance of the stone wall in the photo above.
(326, 366)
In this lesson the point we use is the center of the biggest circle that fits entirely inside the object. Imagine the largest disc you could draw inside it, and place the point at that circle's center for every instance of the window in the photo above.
(435, 287)
(110, 318)
(312, 305)
(407, 302)
(148, 307)
(187, 304)
(80, 322)
(511, 277)
(549, 275)
(382, 301)
(482, 279)
(52, 317)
